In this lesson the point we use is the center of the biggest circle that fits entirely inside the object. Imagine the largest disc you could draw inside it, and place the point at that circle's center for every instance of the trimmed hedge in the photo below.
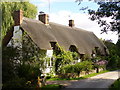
(76, 69)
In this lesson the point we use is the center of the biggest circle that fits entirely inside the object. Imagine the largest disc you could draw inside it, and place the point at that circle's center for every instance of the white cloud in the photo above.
(81, 21)
(54, 0)
(44, 3)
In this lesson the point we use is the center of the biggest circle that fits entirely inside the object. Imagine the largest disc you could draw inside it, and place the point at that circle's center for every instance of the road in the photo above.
(99, 81)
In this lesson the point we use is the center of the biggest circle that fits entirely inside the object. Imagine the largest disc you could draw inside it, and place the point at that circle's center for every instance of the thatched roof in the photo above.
(65, 36)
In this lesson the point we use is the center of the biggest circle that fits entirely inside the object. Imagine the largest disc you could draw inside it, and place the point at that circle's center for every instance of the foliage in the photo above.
(25, 62)
(68, 69)
(75, 55)
(52, 86)
(97, 0)
(8, 8)
(78, 78)
(50, 75)
(31, 53)
(87, 66)
(15, 83)
(62, 58)
(111, 10)
(9, 60)
(28, 71)
(107, 9)
(115, 85)
(19, 83)
(77, 68)
(113, 58)
(118, 47)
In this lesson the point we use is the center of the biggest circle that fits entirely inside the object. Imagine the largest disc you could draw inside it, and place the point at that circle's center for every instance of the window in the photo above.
(73, 48)
(53, 45)
(97, 50)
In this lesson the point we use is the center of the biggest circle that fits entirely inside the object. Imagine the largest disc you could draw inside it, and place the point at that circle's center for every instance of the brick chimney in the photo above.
(44, 18)
(18, 17)
(71, 23)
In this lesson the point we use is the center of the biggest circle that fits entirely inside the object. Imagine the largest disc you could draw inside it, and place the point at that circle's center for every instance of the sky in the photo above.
(61, 11)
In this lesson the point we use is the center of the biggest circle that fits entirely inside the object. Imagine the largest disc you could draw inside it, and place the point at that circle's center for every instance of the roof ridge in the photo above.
(75, 28)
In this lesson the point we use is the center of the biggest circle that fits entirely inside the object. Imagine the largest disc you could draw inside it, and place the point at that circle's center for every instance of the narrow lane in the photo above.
(100, 81)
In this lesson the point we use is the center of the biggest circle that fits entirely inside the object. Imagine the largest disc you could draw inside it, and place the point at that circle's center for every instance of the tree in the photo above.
(107, 9)
(118, 47)
(114, 57)
(98, 1)
(13, 69)
(8, 8)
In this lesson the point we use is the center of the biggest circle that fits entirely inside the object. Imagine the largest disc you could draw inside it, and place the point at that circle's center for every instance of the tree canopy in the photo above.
(8, 8)
(107, 9)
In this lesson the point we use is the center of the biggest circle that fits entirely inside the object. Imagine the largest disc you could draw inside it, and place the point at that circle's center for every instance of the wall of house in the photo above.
(33, 52)
(16, 40)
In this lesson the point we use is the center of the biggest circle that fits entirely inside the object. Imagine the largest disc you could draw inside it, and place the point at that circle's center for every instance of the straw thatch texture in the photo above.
(65, 36)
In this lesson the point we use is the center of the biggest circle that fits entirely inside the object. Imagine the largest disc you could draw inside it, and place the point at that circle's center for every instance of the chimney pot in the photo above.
(44, 18)
(71, 23)
(18, 17)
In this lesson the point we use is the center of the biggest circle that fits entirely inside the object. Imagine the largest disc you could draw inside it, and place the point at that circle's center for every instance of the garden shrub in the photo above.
(62, 58)
(115, 85)
(68, 69)
(87, 66)
(100, 64)
(28, 71)
(50, 75)
(114, 61)
(15, 83)
(114, 56)
(77, 68)
(9, 58)
(25, 62)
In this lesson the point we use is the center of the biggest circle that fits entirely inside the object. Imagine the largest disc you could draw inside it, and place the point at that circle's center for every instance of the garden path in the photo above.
(99, 81)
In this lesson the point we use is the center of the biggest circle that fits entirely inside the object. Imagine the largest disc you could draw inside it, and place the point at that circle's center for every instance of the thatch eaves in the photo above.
(65, 36)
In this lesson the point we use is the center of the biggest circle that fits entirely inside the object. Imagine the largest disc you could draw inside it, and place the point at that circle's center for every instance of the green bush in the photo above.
(15, 83)
(77, 68)
(68, 69)
(84, 66)
(19, 83)
(87, 66)
(115, 85)
(50, 75)
(114, 56)
(28, 71)
(113, 61)
(62, 58)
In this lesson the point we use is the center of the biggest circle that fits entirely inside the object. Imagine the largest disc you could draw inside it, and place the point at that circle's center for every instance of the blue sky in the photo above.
(57, 5)
(63, 10)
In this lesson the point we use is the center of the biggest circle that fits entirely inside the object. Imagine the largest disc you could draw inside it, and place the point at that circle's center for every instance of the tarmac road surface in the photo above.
(100, 81)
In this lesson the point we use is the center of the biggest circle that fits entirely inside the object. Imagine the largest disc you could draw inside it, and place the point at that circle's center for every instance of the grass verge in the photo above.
(83, 77)
(115, 85)
(52, 86)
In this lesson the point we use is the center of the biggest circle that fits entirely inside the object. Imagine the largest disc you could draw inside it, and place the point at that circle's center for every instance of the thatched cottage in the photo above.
(46, 34)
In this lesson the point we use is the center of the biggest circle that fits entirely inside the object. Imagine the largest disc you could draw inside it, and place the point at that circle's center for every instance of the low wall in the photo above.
(83, 73)
(74, 75)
